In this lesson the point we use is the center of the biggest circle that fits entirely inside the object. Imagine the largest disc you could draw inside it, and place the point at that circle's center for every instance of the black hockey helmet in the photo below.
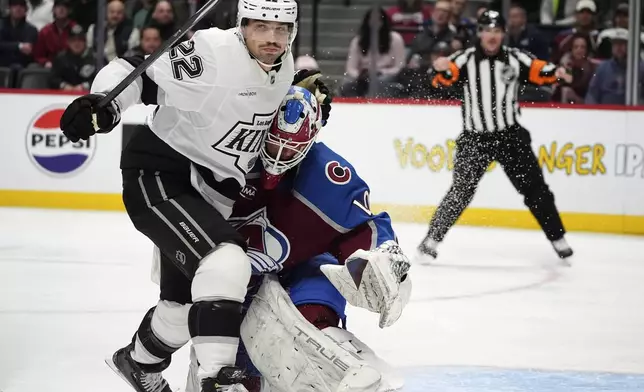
(491, 18)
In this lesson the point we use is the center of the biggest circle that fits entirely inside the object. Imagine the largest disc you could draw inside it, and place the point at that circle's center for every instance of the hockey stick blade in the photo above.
(138, 71)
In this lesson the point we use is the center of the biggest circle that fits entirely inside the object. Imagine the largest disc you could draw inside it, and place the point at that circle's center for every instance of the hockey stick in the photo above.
(138, 71)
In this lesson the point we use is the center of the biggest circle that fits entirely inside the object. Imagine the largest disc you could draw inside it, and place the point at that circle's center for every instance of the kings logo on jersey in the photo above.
(244, 140)
(268, 247)
(51, 151)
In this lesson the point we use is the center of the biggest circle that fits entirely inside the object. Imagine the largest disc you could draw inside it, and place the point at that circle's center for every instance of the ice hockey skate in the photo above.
(142, 377)
(229, 379)
(426, 252)
(563, 249)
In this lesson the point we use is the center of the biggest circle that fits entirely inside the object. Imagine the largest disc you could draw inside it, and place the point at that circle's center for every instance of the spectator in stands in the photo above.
(162, 17)
(416, 81)
(389, 59)
(306, 62)
(558, 12)
(84, 12)
(181, 10)
(438, 29)
(142, 14)
(459, 43)
(120, 34)
(584, 24)
(458, 13)
(620, 21)
(481, 10)
(150, 41)
(605, 10)
(608, 85)
(532, 8)
(408, 17)
(40, 13)
(17, 37)
(578, 63)
(521, 35)
(224, 18)
(52, 39)
(465, 27)
(75, 68)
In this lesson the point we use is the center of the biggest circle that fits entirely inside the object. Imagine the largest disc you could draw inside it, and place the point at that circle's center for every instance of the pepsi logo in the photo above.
(51, 151)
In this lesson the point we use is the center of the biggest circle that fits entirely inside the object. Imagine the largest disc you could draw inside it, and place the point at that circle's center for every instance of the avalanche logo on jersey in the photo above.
(51, 151)
(268, 247)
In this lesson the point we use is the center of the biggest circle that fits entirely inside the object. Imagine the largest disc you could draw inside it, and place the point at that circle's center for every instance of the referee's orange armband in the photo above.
(446, 78)
(541, 74)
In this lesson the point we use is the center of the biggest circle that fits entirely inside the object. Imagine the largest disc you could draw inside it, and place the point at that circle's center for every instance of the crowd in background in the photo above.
(588, 41)
(52, 43)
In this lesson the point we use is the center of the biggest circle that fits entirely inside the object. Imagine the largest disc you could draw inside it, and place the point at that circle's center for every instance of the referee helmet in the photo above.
(489, 19)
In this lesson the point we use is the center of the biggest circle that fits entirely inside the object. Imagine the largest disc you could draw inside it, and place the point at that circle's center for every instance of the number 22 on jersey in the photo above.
(184, 60)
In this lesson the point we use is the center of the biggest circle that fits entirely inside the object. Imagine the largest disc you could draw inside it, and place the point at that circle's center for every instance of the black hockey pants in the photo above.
(169, 211)
(512, 149)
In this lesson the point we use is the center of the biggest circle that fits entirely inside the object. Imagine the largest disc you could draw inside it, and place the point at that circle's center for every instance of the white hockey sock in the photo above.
(141, 355)
(163, 331)
(214, 352)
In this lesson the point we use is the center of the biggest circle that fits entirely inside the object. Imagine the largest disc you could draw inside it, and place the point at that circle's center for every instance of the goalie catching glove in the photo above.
(375, 280)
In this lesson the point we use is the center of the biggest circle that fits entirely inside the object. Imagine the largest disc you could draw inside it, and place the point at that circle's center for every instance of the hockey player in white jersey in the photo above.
(216, 95)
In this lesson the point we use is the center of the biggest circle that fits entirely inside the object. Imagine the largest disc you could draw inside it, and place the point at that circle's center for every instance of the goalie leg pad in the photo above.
(392, 380)
(293, 355)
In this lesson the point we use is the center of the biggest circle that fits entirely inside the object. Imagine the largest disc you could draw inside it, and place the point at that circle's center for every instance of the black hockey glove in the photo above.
(311, 81)
(77, 122)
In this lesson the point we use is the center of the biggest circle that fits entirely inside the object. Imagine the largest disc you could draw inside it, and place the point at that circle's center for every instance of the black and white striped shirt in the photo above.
(491, 85)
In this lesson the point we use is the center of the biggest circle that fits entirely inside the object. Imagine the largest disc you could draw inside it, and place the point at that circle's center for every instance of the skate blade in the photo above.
(423, 259)
(565, 258)
(109, 361)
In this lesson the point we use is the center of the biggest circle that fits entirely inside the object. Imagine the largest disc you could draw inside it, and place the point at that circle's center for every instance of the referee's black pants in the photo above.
(512, 149)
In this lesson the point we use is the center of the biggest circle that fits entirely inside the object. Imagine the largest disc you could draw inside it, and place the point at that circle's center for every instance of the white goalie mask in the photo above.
(292, 134)
(283, 11)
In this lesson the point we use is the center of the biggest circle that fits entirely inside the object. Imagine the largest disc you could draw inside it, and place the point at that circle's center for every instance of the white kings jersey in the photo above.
(215, 104)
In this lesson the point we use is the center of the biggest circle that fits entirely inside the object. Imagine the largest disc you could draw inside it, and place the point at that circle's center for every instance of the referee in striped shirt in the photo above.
(489, 75)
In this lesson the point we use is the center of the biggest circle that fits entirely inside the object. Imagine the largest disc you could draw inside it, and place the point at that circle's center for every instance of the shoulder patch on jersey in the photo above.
(337, 174)
(248, 192)
(332, 188)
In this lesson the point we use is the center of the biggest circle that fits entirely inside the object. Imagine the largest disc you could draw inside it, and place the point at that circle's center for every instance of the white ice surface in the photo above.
(74, 286)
